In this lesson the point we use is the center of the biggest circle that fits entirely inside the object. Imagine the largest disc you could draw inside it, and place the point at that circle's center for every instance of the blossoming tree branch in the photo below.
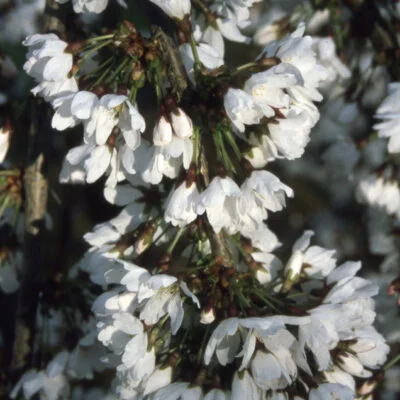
(248, 152)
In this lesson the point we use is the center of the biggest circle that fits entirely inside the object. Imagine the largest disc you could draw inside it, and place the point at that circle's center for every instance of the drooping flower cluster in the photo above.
(190, 300)
(331, 340)
(282, 97)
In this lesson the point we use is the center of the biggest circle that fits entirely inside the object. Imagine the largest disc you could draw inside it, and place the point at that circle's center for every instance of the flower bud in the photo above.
(146, 238)
(293, 269)
(181, 123)
(207, 316)
(5, 133)
(363, 344)
(351, 364)
(263, 275)
(368, 387)
(162, 133)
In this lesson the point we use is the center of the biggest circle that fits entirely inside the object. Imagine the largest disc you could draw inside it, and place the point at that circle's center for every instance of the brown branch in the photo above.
(35, 188)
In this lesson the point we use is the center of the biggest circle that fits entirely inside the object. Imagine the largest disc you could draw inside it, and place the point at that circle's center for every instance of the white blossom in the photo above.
(174, 8)
(46, 58)
(262, 191)
(162, 133)
(389, 112)
(219, 202)
(241, 109)
(181, 123)
(5, 136)
(180, 205)
(51, 383)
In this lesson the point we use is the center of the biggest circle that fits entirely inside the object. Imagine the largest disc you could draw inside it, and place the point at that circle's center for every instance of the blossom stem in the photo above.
(101, 77)
(200, 354)
(118, 70)
(197, 62)
(132, 94)
(200, 5)
(238, 245)
(392, 362)
(4, 204)
(232, 142)
(244, 67)
(94, 50)
(9, 173)
(100, 67)
(100, 38)
(175, 241)
(222, 154)
(267, 301)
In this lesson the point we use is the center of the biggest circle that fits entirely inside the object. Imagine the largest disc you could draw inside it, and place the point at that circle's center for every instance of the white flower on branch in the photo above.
(5, 137)
(243, 386)
(46, 58)
(233, 15)
(162, 133)
(115, 111)
(389, 112)
(267, 88)
(174, 8)
(262, 191)
(220, 202)
(297, 51)
(331, 391)
(181, 123)
(49, 64)
(166, 160)
(51, 384)
(208, 56)
(380, 192)
(241, 109)
(179, 390)
(180, 205)
(73, 108)
(91, 6)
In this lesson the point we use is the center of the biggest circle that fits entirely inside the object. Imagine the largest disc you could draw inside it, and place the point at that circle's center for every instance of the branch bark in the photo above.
(35, 205)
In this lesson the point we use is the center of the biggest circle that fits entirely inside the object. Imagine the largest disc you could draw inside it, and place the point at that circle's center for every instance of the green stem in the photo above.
(101, 77)
(100, 38)
(244, 67)
(176, 240)
(132, 94)
(9, 173)
(4, 205)
(232, 142)
(200, 5)
(392, 362)
(226, 159)
(204, 167)
(100, 67)
(159, 85)
(197, 62)
(118, 70)
(203, 345)
(94, 50)
(266, 300)
(239, 246)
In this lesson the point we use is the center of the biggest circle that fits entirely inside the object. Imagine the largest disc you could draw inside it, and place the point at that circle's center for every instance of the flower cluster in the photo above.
(315, 330)
(190, 297)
